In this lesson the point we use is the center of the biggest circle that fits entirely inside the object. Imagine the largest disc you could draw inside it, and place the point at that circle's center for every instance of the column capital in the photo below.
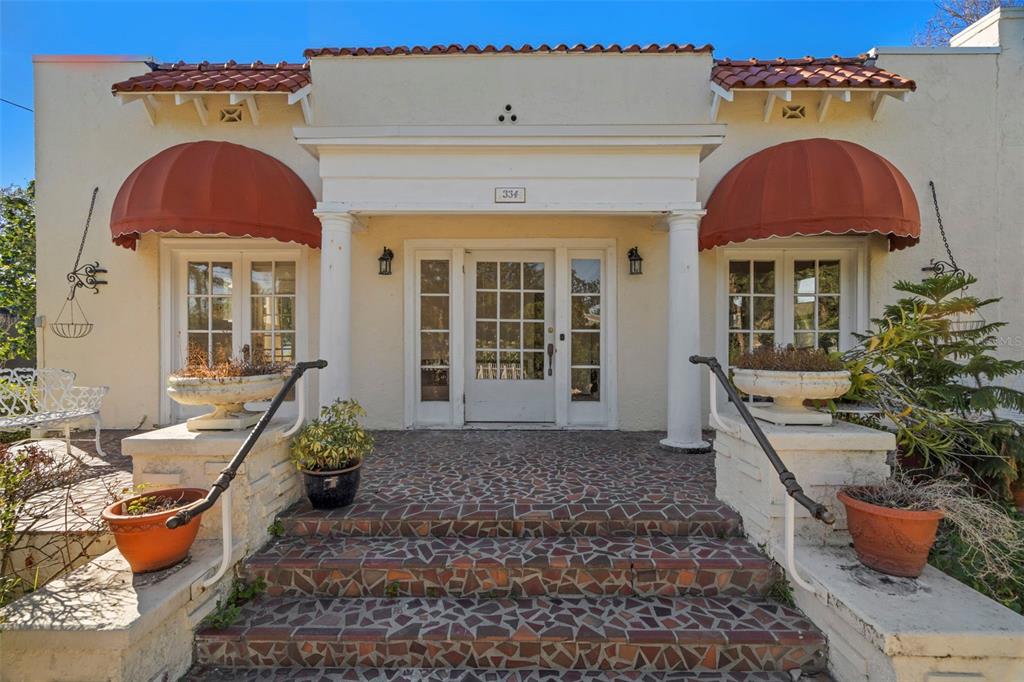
(343, 220)
(684, 219)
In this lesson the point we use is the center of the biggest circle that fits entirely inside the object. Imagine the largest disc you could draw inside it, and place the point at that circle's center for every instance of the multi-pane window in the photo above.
(272, 306)
(435, 329)
(816, 293)
(208, 309)
(751, 306)
(509, 320)
(585, 313)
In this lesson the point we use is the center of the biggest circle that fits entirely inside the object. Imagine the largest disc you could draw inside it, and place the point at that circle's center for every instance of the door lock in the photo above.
(551, 358)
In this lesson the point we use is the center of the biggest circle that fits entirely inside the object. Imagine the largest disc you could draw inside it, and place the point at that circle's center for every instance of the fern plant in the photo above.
(334, 440)
(929, 366)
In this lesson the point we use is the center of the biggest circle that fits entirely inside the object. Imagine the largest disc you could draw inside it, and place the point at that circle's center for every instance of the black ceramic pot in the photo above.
(332, 489)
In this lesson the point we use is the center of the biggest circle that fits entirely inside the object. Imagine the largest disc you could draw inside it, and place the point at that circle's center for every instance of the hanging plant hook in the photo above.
(81, 277)
(941, 267)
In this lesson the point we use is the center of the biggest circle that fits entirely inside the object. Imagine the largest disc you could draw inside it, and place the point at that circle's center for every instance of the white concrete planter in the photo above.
(227, 396)
(789, 390)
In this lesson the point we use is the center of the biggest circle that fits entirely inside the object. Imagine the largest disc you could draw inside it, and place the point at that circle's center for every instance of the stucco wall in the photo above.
(86, 138)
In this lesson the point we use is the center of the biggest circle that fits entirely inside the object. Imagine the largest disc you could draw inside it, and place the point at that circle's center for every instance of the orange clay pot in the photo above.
(1018, 496)
(892, 541)
(144, 541)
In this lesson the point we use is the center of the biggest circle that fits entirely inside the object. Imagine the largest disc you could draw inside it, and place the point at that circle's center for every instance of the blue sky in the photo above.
(271, 31)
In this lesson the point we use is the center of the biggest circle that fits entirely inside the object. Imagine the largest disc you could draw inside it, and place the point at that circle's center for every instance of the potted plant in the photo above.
(329, 452)
(226, 386)
(894, 524)
(790, 376)
(137, 523)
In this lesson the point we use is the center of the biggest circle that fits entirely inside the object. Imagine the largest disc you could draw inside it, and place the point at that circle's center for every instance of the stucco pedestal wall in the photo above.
(879, 628)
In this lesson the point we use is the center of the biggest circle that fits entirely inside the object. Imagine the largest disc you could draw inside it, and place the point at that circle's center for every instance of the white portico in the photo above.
(507, 324)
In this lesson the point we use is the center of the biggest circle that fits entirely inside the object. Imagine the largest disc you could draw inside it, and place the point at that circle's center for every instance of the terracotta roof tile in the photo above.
(502, 49)
(227, 77)
(832, 72)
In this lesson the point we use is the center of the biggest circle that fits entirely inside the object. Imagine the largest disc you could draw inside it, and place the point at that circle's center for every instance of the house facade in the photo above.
(451, 228)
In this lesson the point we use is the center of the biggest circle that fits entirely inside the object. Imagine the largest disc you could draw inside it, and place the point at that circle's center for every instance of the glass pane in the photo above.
(586, 384)
(828, 277)
(198, 313)
(486, 305)
(763, 339)
(739, 343)
(803, 339)
(739, 312)
(586, 312)
(486, 334)
(433, 312)
(198, 278)
(221, 278)
(829, 342)
(764, 312)
(586, 276)
(803, 313)
(261, 312)
(261, 347)
(508, 335)
(533, 276)
(586, 348)
(764, 277)
(510, 276)
(510, 365)
(533, 365)
(199, 343)
(533, 305)
(285, 313)
(487, 365)
(803, 276)
(739, 277)
(828, 312)
(510, 309)
(434, 385)
(220, 312)
(486, 275)
(262, 278)
(434, 277)
(284, 277)
(533, 335)
(434, 348)
(284, 350)
(222, 350)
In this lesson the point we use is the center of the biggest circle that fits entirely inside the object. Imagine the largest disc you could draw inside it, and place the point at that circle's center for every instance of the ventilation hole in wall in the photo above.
(794, 111)
(231, 114)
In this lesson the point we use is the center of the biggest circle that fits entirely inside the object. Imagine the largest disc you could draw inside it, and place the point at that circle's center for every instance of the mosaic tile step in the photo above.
(606, 633)
(202, 674)
(497, 566)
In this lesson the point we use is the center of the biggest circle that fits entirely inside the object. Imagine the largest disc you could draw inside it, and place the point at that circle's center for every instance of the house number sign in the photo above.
(510, 195)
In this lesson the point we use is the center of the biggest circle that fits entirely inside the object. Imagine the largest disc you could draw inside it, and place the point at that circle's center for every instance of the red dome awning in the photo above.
(812, 187)
(215, 188)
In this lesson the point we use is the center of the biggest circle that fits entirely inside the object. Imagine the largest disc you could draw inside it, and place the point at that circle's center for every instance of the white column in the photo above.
(336, 305)
(684, 396)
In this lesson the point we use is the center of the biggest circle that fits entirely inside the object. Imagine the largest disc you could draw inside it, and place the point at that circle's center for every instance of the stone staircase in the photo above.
(491, 591)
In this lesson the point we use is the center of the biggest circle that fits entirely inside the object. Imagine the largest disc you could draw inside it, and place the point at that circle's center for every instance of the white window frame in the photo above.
(174, 255)
(853, 256)
(601, 414)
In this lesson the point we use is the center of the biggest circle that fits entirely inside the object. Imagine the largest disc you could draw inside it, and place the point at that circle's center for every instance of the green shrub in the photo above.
(334, 440)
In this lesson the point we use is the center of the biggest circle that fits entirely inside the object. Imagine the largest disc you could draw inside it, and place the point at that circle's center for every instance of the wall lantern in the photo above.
(384, 262)
(636, 262)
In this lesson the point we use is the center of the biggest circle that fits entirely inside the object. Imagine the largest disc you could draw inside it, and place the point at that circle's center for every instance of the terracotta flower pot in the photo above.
(144, 541)
(892, 541)
(1018, 496)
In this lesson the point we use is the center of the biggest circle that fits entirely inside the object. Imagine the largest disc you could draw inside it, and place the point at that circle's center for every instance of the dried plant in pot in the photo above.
(226, 386)
(138, 525)
(790, 376)
(329, 451)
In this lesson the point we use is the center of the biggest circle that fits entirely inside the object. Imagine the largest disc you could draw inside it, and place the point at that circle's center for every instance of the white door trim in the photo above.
(562, 247)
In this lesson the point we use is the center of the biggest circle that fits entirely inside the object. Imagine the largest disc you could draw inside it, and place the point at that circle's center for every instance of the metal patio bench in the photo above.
(48, 399)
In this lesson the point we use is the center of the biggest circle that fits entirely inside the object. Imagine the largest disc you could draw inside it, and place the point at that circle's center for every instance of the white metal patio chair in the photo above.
(48, 399)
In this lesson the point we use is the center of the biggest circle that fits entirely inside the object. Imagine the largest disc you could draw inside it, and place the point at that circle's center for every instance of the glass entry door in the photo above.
(510, 351)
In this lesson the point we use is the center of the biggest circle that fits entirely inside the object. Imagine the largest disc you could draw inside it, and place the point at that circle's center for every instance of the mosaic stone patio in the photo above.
(520, 556)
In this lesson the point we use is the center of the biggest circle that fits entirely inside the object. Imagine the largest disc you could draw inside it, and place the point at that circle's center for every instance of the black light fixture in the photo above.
(384, 262)
(636, 262)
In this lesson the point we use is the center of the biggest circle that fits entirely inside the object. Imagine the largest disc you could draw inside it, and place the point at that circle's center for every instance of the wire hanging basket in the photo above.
(71, 322)
(76, 326)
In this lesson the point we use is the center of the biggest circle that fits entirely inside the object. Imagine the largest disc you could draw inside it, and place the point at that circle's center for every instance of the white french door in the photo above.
(510, 336)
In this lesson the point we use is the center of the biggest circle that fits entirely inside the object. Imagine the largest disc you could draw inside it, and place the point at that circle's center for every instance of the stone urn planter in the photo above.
(891, 541)
(789, 390)
(141, 536)
(227, 396)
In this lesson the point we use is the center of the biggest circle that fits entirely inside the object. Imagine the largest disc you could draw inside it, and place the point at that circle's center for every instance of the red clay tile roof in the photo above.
(502, 49)
(833, 72)
(226, 77)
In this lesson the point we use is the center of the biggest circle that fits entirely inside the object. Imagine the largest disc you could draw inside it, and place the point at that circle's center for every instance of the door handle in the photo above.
(551, 358)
